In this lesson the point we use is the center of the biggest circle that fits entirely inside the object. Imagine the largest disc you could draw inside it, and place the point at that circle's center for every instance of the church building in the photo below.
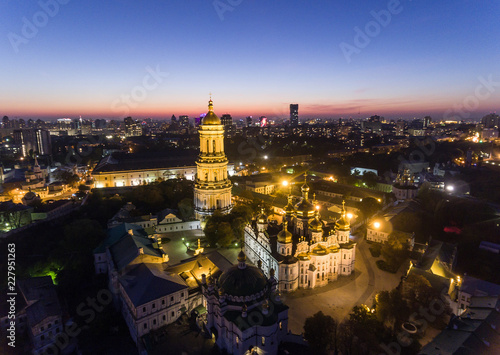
(244, 310)
(307, 252)
(212, 189)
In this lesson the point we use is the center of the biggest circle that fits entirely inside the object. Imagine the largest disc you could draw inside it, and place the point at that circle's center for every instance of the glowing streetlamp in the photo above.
(376, 225)
(349, 215)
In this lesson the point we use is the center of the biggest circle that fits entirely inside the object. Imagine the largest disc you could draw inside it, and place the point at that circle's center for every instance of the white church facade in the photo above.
(307, 252)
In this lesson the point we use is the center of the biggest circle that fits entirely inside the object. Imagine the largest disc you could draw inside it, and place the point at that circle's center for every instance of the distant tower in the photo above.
(226, 120)
(184, 121)
(294, 115)
(212, 189)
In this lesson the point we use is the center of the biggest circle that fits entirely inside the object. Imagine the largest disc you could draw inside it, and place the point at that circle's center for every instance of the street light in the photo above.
(349, 215)
(376, 225)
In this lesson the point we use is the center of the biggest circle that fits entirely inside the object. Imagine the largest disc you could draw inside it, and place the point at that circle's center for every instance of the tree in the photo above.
(361, 331)
(391, 308)
(186, 209)
(417, 290)
(217, 231)
(370, 178)
(67, 177)
(369, 206)
(320, 331)
(395, 249)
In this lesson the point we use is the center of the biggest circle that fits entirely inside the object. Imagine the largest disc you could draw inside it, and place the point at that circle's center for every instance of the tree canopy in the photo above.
(320, 331)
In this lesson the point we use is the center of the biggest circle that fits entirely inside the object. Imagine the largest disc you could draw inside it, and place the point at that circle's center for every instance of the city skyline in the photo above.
(391, 58)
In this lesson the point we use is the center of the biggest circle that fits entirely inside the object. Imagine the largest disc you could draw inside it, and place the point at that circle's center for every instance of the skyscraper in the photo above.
(184, 121)
(35, 141)
(226, 120)
(212, 188)
(294, 115)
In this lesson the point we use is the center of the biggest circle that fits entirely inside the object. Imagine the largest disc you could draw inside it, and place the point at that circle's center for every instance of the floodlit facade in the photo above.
(212, 190)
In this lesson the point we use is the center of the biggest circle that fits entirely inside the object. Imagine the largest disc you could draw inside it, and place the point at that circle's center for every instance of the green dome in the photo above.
(246, 281)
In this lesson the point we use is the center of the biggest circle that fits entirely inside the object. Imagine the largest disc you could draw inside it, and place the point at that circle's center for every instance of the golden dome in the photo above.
(289, 209)
(211, 118)
(285, 236)
(316, 225)
(262, 218)
(343, 222)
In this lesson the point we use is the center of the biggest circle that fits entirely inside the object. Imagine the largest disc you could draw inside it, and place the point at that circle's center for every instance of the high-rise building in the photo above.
(249, 121)
(212, 188)
(491, 120)
(133, 128)
(263, 121)
(427, 121)
(35, 141)
(226, 120)
(64, 124)
(184, 121)
(400, 128)
(294, 115)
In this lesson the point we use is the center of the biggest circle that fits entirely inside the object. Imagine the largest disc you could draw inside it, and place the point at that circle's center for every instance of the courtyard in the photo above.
(339, 297)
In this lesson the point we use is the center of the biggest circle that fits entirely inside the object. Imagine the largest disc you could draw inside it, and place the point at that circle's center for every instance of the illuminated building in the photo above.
(212, 189)
(33, 140)
(306, 253)
(405, 188)
(241, 295)
(294, 115)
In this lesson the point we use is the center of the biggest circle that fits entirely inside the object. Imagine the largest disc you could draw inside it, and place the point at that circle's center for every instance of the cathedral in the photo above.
(212, 188)
(244, 310)
(306, 252)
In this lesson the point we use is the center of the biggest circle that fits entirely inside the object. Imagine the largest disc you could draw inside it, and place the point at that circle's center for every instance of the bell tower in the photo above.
(212, 188)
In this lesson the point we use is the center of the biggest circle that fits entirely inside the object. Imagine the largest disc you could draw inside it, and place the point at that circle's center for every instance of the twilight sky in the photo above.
(157, 58)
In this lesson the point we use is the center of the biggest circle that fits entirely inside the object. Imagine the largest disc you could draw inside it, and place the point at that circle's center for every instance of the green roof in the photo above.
(116, 233)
